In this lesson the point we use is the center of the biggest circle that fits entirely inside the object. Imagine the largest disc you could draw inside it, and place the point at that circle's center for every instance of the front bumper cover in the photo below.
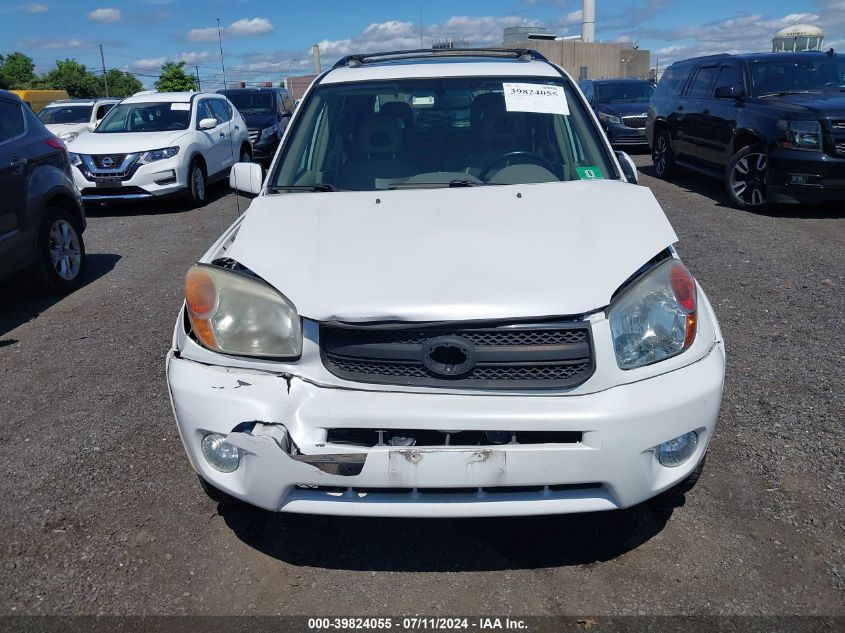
(612, 467)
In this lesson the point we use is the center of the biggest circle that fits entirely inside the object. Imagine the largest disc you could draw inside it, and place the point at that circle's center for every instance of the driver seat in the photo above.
(499, 132)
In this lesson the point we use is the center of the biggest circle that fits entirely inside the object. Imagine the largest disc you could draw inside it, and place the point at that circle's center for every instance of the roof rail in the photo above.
(353, 61)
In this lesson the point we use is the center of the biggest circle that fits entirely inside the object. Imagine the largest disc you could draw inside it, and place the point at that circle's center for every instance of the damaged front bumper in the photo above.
(280, 423)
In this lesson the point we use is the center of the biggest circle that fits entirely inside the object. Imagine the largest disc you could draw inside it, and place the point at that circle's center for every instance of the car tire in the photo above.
(663, 156)
(746, 176)
(197, 184)
(60, 265)
(217, 495)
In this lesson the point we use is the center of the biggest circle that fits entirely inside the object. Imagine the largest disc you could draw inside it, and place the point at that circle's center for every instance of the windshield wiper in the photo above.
(785, 93)
(457, 182)
(321, 187)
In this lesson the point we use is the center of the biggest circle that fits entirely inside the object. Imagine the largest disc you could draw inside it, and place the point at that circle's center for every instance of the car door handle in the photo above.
(237, 127)
(680, 108)
(17, 161)
(222, 134)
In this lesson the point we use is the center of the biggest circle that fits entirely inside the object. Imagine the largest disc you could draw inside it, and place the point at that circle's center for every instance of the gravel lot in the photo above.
(103, 514)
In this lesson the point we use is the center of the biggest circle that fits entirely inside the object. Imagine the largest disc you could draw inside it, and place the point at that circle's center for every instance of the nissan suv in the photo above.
(448, 298)
(770, 125)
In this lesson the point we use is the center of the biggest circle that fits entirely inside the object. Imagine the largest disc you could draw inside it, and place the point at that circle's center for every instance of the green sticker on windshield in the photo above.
(590, 172)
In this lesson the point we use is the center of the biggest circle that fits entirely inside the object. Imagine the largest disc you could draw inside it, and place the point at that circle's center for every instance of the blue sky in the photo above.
(266, 39)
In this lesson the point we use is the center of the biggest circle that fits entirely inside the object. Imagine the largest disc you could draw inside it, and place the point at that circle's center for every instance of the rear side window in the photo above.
(11, 120)
(702, 81)
(672, 80)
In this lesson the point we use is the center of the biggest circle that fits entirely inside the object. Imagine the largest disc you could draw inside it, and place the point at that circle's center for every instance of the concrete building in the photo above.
(592, 60)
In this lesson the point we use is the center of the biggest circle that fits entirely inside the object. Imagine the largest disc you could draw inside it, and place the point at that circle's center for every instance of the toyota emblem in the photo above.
(448, 356)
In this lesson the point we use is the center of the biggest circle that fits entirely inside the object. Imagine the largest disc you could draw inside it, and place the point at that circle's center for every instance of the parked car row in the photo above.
(145, 147)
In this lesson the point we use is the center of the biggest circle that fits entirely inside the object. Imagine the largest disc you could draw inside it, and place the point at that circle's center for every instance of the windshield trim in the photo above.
(296, 121)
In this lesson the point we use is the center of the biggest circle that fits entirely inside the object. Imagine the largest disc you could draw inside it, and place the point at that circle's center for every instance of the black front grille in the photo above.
(253, 136)
(114, 162)
(838, 125)
(542, 355)
(637, 122)
(840, 147)
(426, 437)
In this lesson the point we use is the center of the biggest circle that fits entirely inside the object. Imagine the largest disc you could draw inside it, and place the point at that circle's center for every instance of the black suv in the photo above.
(771, 125)
(266, 112)
(620, 105)
(41, 216)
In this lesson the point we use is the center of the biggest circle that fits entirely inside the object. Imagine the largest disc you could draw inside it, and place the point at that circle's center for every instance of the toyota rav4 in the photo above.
(448, 298)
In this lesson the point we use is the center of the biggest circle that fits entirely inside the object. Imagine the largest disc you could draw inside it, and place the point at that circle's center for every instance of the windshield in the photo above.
(65, 114)
(252, 102)
(624, 91)
(417, 133)
(146, 117)
(804, 74)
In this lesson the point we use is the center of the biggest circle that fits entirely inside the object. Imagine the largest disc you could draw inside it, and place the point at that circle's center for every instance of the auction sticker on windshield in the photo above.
(180, 106)
(590, 172)
(520, 97)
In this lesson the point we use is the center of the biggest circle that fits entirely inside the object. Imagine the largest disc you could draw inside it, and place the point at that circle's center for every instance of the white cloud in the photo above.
(189, 57)
(34, 8)
(105, 15)
(240, 28)
(56, 44)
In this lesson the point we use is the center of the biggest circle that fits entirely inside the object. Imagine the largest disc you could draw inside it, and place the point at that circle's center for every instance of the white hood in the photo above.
(453, 254)
(63, 128)
(101, 143)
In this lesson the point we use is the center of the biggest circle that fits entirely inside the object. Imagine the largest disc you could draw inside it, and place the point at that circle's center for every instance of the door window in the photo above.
(204, 111)
(702, 82)
(729, 77)
(11, 121)
(221, 112)
(103, 109)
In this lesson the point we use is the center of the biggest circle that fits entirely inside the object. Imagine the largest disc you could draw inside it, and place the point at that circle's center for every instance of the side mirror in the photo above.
(245, 179)
(728, 92)
(91, 126)
(629, 169)
(208, 124)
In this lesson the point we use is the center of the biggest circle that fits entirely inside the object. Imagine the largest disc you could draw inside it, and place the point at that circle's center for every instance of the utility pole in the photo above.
(199, 83)
(421, 29)
(103, 61)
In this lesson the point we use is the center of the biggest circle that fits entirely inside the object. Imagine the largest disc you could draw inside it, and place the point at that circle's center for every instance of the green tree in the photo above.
(122, 84)
(174, 79)
(16, 71)
(74, 77)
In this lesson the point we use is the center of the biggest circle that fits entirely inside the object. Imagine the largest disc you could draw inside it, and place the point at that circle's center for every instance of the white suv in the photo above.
(448, 298)
(160, 144)
(69, 118)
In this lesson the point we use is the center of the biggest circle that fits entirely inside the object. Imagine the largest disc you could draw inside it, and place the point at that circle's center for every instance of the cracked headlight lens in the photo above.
(234, 313)
(655, 318)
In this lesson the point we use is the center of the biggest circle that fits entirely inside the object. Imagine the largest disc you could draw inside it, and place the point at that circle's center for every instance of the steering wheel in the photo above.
(542, 161)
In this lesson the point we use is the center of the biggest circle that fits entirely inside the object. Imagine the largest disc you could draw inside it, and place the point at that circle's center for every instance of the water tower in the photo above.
(801, 37)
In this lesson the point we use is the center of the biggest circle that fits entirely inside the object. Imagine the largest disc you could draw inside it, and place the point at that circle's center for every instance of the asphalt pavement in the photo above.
(102, 513)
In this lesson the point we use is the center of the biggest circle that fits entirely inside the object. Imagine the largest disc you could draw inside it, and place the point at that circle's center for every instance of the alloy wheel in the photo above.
(198, 183)
(660, 155)
(65, 252)
(748, 179)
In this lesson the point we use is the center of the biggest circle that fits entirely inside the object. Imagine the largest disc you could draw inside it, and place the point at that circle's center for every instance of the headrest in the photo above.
(381, 135)
(399, 110)
(481, 103)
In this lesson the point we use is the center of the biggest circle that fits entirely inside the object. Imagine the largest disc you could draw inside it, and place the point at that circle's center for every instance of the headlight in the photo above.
(69, 137)
(233, 313)
(655, 318)
(609, 118)
(801, 134)
(267, 133)
(75, 160)
(158, 154)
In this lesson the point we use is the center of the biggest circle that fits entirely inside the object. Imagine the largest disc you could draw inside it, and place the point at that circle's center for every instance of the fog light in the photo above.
(676, 452)
(220, 454)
